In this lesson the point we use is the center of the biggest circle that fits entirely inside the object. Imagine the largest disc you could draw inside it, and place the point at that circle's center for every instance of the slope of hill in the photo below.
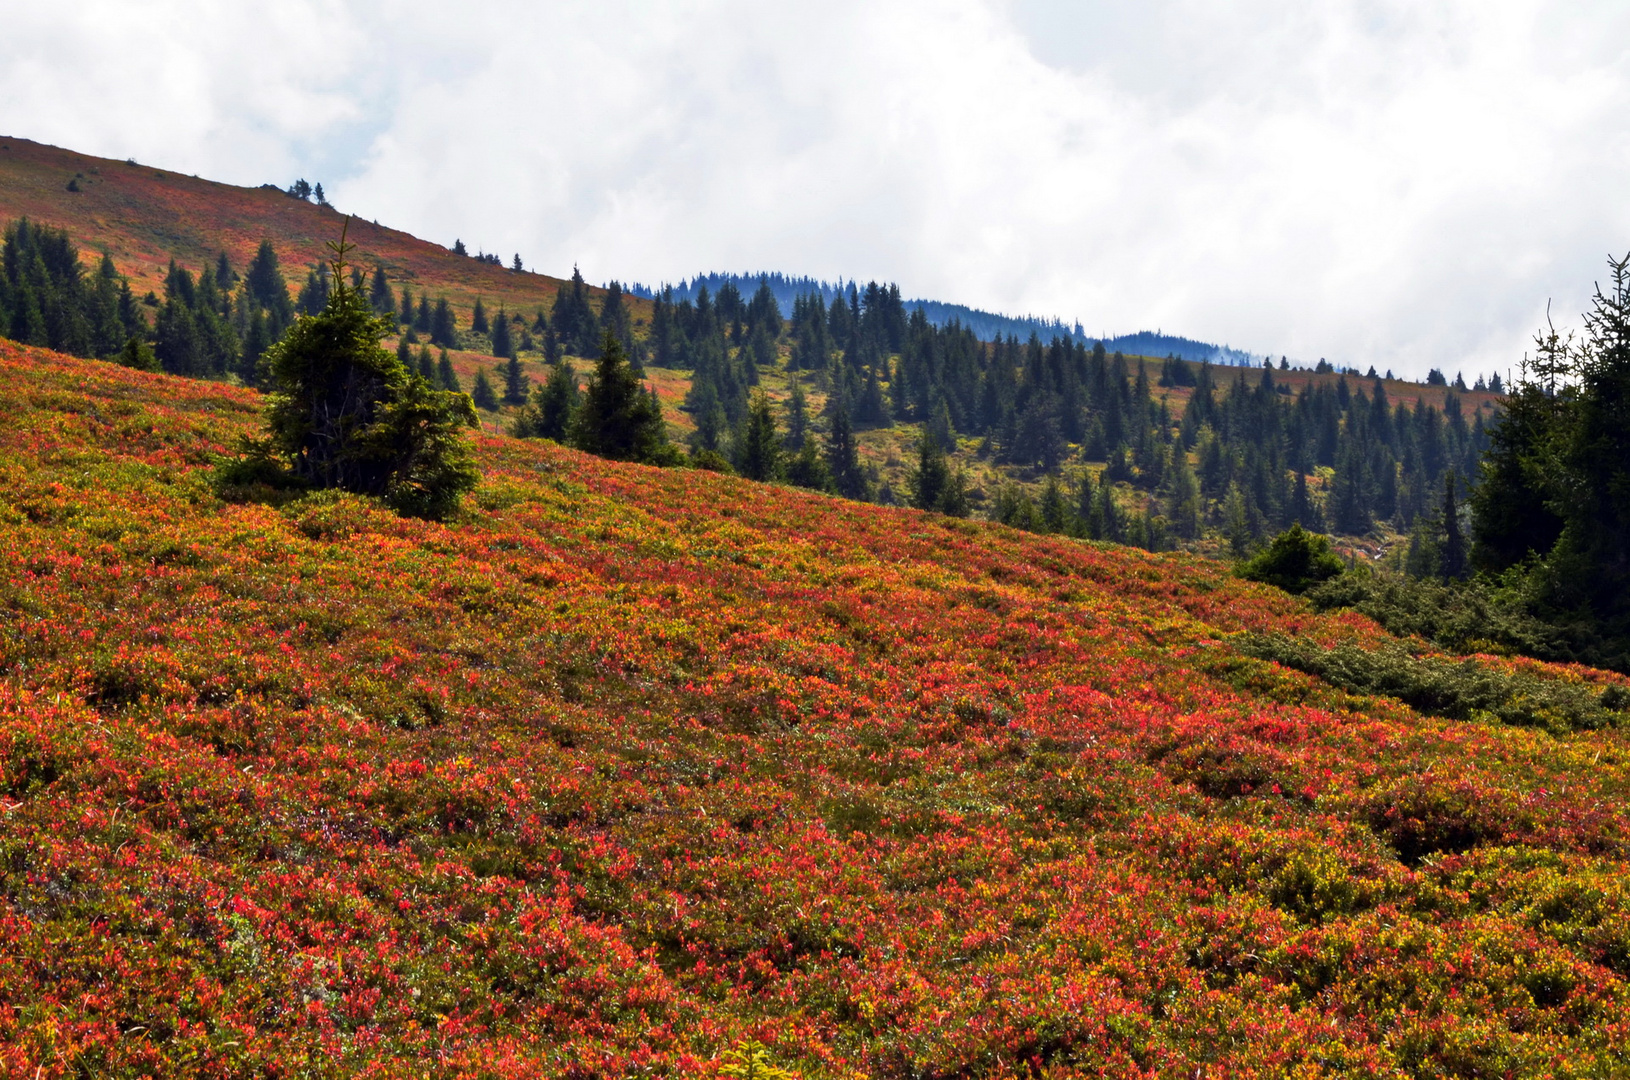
(626, 766)
(144, 216)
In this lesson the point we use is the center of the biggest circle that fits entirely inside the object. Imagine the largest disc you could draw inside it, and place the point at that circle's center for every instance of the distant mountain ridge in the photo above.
(986, 325)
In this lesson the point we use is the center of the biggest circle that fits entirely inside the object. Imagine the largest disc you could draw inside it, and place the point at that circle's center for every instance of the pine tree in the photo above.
(379, 295)
(843, 458)
(1453, 557)
(427, 367)
(345, 412)
(503, 346)
(137, 355)
(758, 445)
(478, 321)
(443, 329)
(797, 408)
(483, 395)
(616, 418)
(549, 414)
(515, 382)
(446, 375)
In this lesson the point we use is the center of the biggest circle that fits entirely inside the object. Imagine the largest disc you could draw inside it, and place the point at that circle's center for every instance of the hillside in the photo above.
(1112, 437)
(625, 766)
(146, 215)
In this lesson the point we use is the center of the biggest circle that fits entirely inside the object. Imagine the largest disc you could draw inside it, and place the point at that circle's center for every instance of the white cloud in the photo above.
(1376, 181)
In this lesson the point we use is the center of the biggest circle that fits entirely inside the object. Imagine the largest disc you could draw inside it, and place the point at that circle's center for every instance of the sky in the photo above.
(1403, 183)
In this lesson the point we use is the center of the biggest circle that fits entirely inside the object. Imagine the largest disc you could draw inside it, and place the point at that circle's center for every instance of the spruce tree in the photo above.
(379, 294)
(931, 478)
(1453, 556)
(549, 414)
(503, 346)
(478, 321)
(443, 329)
(515, 382)
(843, 456)
(264, 280)
(808, 469)
(446, 375)
(617, 419)
(758, 445)
(1054, 509)
(797, 408)
(346, 413)
(137, 355)
(483, 395)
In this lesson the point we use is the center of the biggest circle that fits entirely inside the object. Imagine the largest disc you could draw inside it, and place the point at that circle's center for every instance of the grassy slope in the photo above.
(146, 215)
(626, 764)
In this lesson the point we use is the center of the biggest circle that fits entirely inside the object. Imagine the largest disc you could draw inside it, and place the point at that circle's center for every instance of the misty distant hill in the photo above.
(986, 325)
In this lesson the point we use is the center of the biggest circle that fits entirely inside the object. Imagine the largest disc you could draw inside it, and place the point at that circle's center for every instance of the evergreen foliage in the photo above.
(1295, 561)
(617, 418)
(849, 479)
(346, 413)
(932, 483)
(515, 382)
(503, 345)
(445, 375)
(483, 394)
(573, 320)
(757, 444)
(379, 293)
(548, 415)
(47, 299)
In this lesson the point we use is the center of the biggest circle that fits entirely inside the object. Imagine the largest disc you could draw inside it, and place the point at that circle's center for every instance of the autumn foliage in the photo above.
(624, 771)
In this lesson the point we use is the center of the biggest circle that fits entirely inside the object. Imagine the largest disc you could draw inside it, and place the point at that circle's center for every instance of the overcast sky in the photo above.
(1396, 182)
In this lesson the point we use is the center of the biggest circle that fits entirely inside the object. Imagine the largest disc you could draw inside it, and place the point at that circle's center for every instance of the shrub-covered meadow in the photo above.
(620, 768)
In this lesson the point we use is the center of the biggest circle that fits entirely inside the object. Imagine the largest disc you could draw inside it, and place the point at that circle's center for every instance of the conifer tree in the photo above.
(503, 346)
(264, 280)
(137, 355)
(758, 444)
(515, 382)
(1453, 555)
(483, 394)
(446, 375)
(345, 412)
(379, 294)
(427, 367)
(478, 321)
(548, 415)
(843, 457)
(797, 408)
(443, 330)
(616, 418)
(1053, 508)
(808, 469)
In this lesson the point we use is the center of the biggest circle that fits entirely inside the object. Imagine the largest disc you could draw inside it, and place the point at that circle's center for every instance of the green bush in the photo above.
(1295, 561)
(1458, 690)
